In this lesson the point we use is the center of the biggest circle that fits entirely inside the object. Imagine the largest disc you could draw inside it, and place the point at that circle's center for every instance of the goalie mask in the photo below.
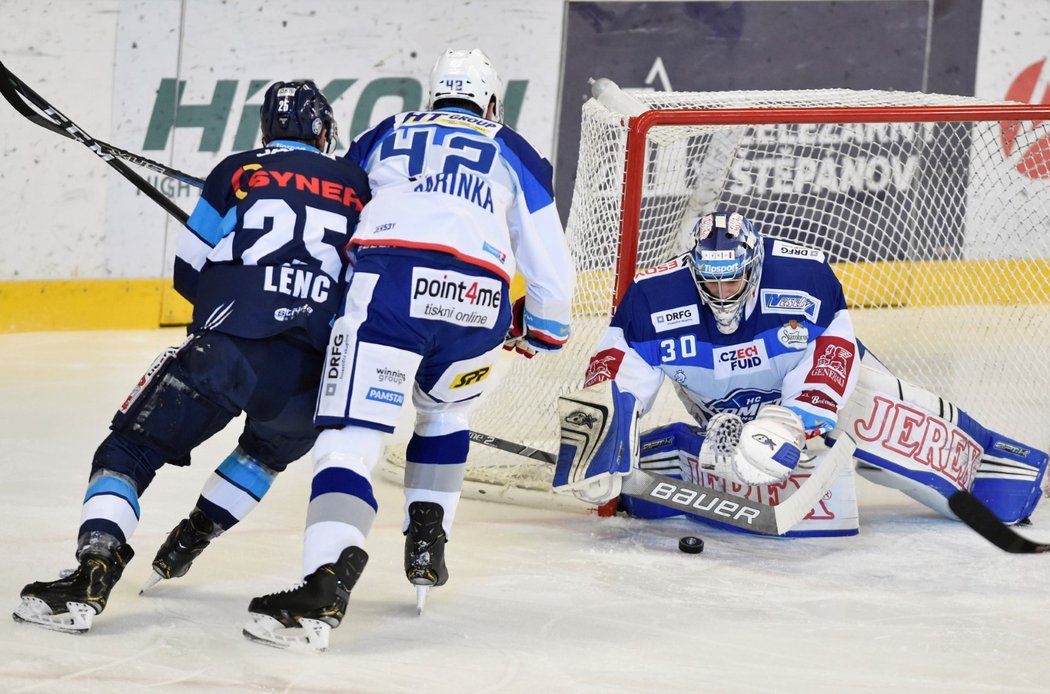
(727, 265)
(297, 111)
(467, 76)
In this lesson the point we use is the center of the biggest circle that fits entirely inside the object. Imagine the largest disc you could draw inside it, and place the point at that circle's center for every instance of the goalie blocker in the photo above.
(599, 442)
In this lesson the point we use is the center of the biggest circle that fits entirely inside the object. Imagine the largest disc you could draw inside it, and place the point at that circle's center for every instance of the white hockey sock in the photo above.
(111, 506)
(234, 489)
(342, 505)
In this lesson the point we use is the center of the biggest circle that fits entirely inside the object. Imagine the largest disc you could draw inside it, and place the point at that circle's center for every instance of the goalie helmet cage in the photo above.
(934, 211)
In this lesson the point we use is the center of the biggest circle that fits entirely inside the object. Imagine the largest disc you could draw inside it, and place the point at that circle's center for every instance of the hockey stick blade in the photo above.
(736, 511)
(21, 97)
(701, 501)
(18, 94)
(975, 514)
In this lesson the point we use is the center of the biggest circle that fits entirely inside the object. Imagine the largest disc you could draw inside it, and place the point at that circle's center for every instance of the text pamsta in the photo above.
(261, 178)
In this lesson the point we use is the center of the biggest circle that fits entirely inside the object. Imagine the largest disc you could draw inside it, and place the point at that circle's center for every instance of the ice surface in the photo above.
(538, 600)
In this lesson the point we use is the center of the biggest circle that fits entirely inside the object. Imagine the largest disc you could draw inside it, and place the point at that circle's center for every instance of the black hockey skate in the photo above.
(425, 549)
(70, 603)
(184, 543)
(305, 615)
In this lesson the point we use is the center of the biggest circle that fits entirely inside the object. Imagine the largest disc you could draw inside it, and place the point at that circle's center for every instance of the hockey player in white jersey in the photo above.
(460, 203)
(756, 336)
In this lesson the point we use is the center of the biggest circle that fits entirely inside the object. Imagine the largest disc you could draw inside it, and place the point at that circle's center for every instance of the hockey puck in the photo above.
(691, 544)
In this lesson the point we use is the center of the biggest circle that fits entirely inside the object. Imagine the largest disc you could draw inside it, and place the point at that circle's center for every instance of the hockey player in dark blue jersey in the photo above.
(755, 335)
(263, 262)
(460, 203)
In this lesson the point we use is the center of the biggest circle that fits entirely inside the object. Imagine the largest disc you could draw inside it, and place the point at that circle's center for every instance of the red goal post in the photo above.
(934, 211)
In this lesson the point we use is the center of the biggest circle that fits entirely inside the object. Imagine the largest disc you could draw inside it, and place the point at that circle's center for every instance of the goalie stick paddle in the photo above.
(24, 100)
(980, 518)
(739, 512)
(707, 503)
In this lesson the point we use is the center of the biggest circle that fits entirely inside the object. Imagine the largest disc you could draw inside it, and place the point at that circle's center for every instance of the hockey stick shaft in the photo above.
(18, 93)
(985, 523)
(21, 96)
(511, 447)
(707, 503)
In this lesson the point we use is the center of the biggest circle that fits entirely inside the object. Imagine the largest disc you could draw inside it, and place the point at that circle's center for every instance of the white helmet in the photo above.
(467, 75)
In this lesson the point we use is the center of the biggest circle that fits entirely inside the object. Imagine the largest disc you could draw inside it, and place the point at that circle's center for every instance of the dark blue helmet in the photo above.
(297, 111)
(727, 265)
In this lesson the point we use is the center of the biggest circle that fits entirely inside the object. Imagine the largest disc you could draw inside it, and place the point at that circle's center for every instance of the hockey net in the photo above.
(934, 211)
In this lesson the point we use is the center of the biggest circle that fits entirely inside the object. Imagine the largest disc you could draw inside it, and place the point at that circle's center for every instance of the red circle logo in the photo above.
(1034, 161)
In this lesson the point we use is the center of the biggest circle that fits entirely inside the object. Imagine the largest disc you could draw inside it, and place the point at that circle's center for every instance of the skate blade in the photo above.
(153, 580)
(37, 612)
(311, 637)
(421, 598)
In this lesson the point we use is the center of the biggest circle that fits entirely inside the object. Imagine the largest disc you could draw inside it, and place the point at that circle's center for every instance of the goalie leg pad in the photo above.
(664, 450)
(923, 445)
(1009, 478)
(599, 441)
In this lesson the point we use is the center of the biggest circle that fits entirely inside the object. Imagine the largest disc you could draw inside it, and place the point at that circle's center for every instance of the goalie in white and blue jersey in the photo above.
(757, 339)
(460, 203)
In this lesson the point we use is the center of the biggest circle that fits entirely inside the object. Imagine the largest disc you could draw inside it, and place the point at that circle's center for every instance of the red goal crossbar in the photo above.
(639, 127)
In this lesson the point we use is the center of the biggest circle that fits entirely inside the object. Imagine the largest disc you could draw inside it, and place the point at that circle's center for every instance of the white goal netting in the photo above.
(934, 210)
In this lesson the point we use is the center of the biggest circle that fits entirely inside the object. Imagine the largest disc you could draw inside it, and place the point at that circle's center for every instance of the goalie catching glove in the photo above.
(520, 339)
(599, 442)
(764, 451)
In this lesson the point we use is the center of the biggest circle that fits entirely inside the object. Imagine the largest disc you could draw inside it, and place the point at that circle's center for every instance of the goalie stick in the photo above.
(980, 518)
(24, 100)
(511, 447)
(727, 509)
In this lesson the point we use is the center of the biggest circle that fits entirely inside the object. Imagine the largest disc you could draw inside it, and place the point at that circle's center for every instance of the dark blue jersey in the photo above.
(264, 250)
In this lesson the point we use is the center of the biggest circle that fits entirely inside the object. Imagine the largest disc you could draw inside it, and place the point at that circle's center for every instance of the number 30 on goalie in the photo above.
(599, 442)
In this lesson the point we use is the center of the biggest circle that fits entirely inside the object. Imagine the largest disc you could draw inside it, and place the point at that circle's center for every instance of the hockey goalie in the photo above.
(757, 339)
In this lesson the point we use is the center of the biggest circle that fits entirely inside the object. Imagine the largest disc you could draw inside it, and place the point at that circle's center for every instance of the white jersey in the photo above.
(495, 203)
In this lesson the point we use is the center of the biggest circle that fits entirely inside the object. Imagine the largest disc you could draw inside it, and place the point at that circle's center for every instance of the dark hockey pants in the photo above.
(210, 381)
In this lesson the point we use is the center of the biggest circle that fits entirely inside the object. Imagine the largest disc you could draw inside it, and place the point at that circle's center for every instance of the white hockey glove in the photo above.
(520, 340)
(764, 451)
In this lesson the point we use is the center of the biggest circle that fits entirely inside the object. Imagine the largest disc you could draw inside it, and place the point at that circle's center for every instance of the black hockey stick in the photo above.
(511, 447)
(24, 99)
(18, 93)
(975, 514)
